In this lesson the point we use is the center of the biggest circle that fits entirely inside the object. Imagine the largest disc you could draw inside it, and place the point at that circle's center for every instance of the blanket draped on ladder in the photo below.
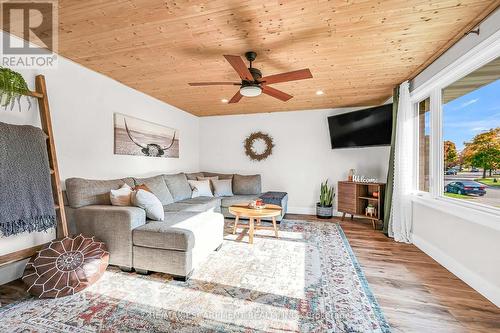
(26, 200)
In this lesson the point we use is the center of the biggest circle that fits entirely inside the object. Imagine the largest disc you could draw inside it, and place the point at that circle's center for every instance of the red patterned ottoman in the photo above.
(65, 266)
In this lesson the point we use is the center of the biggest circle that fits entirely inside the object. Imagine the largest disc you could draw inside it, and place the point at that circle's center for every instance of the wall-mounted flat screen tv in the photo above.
(363, 128)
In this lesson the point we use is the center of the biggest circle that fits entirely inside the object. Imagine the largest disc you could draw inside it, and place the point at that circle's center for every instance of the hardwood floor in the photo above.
(415, 292)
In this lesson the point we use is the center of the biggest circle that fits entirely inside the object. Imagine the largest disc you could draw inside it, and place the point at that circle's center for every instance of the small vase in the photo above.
(350, 176)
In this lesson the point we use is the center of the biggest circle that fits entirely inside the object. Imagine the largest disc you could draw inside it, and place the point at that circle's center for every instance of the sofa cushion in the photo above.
(83, 192)
(194, 175)
(209, 202)
(220, 175)
(178, 186)
(198, 204)
(165, 235)
(237, 199)
(181, 231)
(158, 187)
(246, 184)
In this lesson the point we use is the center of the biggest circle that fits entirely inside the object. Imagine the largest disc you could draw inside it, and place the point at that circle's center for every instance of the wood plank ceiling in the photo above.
(356, 50)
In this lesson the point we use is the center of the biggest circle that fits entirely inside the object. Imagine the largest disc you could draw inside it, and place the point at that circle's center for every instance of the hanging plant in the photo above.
(12, 88)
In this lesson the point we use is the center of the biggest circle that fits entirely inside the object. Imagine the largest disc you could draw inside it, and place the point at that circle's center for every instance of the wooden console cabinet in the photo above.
(353, 198)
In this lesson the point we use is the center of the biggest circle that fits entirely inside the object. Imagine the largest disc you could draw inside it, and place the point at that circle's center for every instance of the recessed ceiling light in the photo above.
(320, 92)
(224, 100)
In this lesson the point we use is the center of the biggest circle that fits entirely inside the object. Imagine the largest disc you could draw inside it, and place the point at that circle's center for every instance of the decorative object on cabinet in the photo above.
(370, 210)
(351, 174)
(363, 179)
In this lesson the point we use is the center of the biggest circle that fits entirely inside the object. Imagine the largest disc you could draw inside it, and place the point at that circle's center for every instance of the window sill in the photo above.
(487, 217)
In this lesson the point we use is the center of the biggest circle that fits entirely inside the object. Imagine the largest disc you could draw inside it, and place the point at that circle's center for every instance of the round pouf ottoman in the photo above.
(65, 266)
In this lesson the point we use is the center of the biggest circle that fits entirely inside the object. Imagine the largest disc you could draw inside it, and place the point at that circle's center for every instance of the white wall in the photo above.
(464, 245)
(302, 157)
(82, 104)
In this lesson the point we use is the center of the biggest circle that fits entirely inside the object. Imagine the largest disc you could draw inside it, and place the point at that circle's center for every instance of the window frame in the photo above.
(480, 55)
(416, 170)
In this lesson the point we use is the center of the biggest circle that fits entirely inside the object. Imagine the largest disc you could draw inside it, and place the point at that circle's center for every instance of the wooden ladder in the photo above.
(40, 94)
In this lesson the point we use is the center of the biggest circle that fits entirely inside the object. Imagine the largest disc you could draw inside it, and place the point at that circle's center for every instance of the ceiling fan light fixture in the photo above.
(251, 91)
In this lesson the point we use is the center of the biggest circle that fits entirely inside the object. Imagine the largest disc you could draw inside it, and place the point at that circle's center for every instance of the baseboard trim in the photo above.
(306, 211)
(301, 210)
(485, 288)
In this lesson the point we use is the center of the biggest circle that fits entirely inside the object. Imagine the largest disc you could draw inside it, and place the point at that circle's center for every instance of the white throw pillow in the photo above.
(210, 179)
(223, 187)
(122, 196)
(150, 203)
(201, 188)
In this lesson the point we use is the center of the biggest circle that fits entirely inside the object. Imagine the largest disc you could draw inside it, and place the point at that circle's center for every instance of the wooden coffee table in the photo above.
(254, 216)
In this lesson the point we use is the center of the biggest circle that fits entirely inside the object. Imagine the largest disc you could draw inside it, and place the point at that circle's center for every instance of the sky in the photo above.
(471, 114)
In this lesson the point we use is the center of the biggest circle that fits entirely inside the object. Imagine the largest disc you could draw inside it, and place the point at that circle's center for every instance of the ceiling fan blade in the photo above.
(301, 74)
(276, 93)
(240, 67)
(196, 84)
(236, 98)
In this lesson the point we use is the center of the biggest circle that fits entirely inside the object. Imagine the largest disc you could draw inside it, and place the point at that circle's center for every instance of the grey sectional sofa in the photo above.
(192, 229)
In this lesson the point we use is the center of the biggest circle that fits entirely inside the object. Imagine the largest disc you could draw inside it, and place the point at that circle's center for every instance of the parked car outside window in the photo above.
(466, 188)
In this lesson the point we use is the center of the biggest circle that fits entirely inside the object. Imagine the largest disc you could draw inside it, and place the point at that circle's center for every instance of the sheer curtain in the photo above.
(400, 222)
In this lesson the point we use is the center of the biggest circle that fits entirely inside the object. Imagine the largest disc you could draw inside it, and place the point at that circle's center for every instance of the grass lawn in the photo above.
(458, 196)
(488, 181)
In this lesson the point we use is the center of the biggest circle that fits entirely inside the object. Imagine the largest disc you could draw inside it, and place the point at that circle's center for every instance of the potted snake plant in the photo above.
(324, 208)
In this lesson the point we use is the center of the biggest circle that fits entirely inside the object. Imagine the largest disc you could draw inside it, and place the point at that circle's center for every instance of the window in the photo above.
(471, 136)
(423, 144)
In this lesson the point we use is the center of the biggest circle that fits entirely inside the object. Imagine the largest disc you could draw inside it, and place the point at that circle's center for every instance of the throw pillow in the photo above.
(223, 187)
(141, 187)
(150, 203)
(250, 184)
(122, 196)
(201, 188)
(211, 179)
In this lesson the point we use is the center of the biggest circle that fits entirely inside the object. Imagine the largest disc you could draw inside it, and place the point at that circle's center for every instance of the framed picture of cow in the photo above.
(135, 136)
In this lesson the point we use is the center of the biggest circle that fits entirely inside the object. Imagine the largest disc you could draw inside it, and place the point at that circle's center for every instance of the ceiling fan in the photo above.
(252, 83)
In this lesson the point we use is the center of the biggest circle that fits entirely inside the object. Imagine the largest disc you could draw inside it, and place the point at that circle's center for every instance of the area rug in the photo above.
(308, 280)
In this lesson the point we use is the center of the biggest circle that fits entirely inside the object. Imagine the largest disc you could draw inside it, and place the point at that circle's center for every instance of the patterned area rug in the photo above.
(308, 280)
